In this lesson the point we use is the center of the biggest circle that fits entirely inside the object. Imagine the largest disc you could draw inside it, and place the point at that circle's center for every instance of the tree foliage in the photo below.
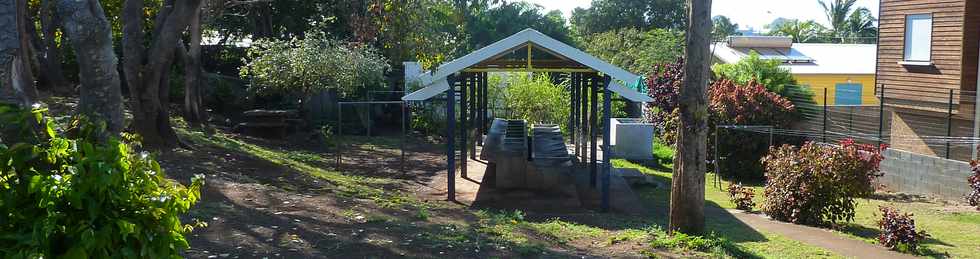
(74, 197)
(849, 24)
(635, 50)
(801, 31)
(315, 63)
(536, 99)
(723, 27)
(608, 15)
(763, 71)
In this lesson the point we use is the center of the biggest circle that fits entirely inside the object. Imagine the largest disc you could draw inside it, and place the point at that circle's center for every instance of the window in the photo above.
(848, 94)
(918, 37)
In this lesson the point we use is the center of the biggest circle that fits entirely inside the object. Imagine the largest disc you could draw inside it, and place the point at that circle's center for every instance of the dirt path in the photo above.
(810, 235)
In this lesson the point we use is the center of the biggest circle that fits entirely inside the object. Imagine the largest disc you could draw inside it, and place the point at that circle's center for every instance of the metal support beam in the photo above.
(881, 116)
(472, 113)
(451, 138)
(463, 126)
(573, 114)
(606, 149)
(594, 129)
(949, 124)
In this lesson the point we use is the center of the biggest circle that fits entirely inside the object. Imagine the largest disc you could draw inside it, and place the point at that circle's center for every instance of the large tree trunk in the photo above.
(148, 75)
(193, 113)
(687, 188)
(16, 79)
(49, 55)
(100, 96)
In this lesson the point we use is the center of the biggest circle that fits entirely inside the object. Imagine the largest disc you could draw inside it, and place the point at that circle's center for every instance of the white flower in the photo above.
(56, 177)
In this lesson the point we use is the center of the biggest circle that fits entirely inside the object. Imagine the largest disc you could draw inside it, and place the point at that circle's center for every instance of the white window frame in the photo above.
(915, 39)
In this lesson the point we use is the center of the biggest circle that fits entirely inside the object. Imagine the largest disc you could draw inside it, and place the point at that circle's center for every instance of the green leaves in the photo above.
(315, 63)
(73, 198)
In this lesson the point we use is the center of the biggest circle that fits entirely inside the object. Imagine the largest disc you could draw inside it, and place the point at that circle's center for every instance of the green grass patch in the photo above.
(564, 232)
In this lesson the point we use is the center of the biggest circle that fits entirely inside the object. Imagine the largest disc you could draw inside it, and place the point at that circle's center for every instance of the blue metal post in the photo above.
(451, 138)
(606, 152)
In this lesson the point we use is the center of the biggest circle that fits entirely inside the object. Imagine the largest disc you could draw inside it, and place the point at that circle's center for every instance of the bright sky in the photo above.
(747, 13)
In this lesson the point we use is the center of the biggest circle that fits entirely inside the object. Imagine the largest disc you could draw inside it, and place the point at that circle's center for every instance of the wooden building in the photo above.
(927, 68)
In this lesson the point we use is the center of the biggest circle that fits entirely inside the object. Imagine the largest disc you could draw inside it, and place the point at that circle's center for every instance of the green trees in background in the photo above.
(609, 15)
(849, 24)
(801, 31)
(315, 63)
(723, 27)
(636, 50)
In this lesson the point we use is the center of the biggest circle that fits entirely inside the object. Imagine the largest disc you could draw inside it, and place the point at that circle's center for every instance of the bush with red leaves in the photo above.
(816, 185)
(898, 231)
(741, 196)
(663, 86)
(974, 197)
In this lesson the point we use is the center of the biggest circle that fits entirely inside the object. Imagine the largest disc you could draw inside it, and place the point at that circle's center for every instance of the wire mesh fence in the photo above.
(936, 122)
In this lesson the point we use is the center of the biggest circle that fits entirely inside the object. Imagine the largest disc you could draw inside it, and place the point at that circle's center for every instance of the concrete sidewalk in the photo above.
(811, 235)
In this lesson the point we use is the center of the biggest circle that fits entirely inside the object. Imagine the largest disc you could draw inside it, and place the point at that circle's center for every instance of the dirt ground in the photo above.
(255, 208)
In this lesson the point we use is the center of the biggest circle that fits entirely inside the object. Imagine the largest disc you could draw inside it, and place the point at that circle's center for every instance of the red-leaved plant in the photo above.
(663, 86)
(816, 184)
(741, 196)
(974, 196)
(898, 231)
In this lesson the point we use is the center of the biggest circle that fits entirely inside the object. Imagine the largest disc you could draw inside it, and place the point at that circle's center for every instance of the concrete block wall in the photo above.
(912, 173)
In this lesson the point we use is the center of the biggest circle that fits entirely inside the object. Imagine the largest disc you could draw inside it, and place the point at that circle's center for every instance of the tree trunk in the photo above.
(48, 51)
(16, 79)
(100, 96)
(193, 113)
(687, 188)
(148, 75)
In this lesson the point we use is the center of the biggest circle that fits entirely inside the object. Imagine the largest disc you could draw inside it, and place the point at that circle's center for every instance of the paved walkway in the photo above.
(812, 236)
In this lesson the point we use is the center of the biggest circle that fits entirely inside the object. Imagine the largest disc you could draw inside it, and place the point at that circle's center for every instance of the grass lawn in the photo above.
(954, 230)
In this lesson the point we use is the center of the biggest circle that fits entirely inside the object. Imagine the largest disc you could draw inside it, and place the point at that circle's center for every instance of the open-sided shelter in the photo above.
(467, 76)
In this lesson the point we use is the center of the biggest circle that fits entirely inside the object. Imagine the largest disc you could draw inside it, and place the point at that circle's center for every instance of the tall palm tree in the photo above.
(847, 24)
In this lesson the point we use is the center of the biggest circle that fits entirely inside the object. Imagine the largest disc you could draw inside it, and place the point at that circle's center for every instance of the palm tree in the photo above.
(849, 25)
(801, 32)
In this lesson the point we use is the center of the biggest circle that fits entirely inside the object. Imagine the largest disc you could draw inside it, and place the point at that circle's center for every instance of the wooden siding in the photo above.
(954, 49)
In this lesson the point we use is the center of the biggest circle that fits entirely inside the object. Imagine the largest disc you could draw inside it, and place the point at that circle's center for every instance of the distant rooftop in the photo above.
(801, 58)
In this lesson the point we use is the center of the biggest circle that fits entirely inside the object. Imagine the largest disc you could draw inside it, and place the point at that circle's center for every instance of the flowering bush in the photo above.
(815, 184)
(974, 197)
(64, 197)
(898, 231)
(741, 196)
(750, 104)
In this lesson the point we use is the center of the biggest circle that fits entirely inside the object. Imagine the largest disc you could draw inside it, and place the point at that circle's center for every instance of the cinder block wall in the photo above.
(908, 172)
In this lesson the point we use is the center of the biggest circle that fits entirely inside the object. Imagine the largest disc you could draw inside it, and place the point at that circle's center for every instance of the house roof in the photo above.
(434, 82)
(813, 58)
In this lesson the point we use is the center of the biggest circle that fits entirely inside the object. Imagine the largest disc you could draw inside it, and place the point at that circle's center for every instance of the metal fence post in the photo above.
(949, 122)
(824, 115)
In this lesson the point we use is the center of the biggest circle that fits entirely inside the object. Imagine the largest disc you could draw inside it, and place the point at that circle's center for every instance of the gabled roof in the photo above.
(434, 82)
(823, 58)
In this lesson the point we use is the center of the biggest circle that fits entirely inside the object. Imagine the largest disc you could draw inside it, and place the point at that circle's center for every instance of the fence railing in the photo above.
(940, 122)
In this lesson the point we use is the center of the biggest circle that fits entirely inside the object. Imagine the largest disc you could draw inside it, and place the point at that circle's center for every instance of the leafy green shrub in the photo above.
(314, 63)
(536, 99)
(741, 196)
(81, 198)
(974, 197)
(816, 184)
(746, 104)
(898, 231)
(753, 68)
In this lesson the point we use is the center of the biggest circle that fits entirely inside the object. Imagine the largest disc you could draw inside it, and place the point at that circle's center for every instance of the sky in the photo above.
(753, 14)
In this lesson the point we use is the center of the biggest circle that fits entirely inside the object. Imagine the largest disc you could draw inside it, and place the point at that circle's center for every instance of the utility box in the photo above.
(631, 138)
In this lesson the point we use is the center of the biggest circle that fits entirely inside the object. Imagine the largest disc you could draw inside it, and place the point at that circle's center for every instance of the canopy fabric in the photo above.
(435, 82)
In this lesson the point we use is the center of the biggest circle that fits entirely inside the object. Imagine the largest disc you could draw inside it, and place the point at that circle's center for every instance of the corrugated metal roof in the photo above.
(827, 58)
